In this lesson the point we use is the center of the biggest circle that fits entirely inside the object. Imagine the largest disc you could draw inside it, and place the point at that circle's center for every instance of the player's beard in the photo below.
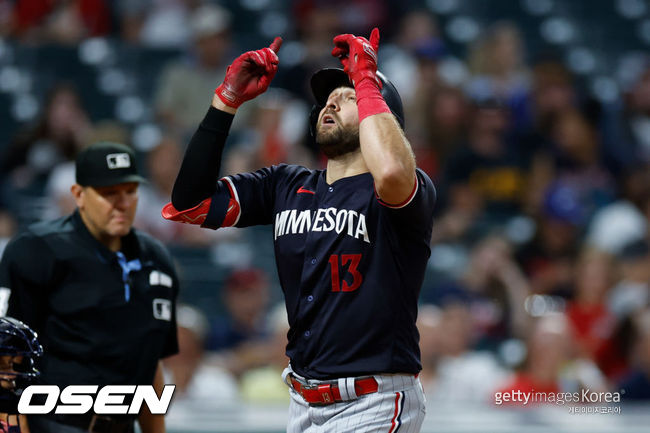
(338, 140)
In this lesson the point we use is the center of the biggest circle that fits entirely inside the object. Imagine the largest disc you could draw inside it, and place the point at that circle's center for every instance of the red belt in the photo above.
(328, 393)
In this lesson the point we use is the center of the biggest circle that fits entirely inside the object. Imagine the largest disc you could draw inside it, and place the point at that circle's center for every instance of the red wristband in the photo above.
(369, 99)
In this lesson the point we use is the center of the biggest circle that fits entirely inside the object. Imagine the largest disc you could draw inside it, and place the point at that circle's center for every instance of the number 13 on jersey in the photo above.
(357, 278)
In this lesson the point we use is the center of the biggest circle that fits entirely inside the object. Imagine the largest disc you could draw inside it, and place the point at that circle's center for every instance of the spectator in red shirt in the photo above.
(591, 321)
(548, 349)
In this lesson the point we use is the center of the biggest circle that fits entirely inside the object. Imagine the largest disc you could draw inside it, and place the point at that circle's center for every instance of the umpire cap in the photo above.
(328, 79)
(106, 163)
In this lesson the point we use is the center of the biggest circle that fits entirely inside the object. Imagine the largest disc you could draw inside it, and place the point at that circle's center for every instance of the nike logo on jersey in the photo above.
(302, 190)
(350, 222)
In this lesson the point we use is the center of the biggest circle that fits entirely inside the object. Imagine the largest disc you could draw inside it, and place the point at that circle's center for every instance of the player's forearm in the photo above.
(389, 157)
(197, 177)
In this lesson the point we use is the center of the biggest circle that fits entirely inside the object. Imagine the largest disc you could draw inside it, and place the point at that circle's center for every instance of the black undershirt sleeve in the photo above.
(199, 173)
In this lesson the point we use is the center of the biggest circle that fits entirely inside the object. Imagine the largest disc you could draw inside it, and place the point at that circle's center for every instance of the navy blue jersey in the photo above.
(350, 266)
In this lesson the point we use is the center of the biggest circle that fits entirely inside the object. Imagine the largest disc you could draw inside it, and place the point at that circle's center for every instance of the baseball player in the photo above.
(351, 241)
(19, 349)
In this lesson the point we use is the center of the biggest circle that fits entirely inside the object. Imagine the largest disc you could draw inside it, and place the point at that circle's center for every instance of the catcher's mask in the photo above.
(18, 340)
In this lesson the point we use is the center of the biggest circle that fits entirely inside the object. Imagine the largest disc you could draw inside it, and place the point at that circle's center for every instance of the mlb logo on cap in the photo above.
(118, 160)
(107, 163)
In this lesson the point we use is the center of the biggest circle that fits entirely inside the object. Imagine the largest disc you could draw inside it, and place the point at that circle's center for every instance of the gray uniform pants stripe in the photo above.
(397, 407)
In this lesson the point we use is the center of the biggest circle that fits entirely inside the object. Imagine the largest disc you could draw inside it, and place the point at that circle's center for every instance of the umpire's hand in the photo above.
(249, 75)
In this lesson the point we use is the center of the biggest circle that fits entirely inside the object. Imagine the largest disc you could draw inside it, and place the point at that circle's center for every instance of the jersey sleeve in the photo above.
(26, 279)
(245, 199)
(417, 209)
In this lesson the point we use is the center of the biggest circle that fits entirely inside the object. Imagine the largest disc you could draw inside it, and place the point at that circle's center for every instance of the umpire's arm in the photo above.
(150, 423)
(27, 273)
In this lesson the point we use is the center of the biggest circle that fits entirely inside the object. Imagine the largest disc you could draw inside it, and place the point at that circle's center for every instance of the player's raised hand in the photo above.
(358, 56)
(249, 75)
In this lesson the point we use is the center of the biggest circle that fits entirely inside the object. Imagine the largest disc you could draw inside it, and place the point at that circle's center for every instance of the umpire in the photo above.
(100, 294)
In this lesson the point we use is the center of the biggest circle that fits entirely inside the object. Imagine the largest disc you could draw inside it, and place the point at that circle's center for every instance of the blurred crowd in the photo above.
(539, 277)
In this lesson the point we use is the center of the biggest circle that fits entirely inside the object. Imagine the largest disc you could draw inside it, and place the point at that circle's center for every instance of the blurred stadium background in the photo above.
(531, 116)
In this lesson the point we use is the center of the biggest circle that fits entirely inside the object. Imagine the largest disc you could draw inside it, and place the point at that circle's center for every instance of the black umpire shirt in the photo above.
(73, 291)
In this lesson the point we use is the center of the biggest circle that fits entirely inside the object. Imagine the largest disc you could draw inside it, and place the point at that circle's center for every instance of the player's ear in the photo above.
(77, 192)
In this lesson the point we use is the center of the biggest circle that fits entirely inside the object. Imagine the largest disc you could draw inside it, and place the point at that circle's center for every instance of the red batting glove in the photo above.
(358, 56)
(249, 75)
(359, 59)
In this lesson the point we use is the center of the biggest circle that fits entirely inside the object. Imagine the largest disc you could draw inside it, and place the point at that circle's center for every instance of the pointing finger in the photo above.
(374, 39)
(276, 44)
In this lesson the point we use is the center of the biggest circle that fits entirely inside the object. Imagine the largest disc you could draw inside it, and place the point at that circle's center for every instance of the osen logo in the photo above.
(80, 399)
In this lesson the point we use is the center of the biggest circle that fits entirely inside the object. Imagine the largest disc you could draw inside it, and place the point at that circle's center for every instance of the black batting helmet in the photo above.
(328, 79)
